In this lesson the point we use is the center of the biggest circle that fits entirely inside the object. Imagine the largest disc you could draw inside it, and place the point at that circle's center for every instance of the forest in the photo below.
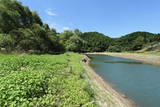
(22, 30)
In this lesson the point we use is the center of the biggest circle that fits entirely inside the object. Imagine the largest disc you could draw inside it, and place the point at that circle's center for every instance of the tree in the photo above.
(6, 42)
(134, 41)
(95, 42)
(74, 43)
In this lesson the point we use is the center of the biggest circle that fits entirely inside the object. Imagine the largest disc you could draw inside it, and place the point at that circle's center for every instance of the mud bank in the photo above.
(146, 58)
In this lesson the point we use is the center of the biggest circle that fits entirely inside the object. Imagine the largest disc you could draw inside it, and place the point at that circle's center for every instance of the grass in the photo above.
(43, 81)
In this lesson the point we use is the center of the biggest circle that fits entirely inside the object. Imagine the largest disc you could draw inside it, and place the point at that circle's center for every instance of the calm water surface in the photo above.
(140, 82)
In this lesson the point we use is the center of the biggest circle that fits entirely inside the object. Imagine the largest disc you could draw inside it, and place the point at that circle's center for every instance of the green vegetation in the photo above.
(51, 80)
(95, 42)
(43, 81)
(77, 41)
(134, 41)
(22, 30)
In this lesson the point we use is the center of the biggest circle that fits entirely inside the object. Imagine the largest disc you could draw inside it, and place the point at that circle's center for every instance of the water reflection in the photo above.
(139, 81)
(123, 62)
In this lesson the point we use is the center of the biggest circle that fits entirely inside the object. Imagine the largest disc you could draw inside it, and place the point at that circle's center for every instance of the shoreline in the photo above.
(105, 94)
(145, 58)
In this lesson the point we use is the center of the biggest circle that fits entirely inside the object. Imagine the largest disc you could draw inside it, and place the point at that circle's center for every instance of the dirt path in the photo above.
(106, 96)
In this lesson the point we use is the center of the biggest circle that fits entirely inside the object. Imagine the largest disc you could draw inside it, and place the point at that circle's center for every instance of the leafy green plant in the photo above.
(43, 81)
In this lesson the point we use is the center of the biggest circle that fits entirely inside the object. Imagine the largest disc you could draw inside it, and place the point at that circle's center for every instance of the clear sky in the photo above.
(111, 17)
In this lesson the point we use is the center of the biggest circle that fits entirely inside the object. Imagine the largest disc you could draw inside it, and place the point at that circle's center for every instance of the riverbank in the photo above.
(105, 95)
(150, 58)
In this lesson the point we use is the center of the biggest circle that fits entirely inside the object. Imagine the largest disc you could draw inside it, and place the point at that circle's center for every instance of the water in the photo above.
(139, 81)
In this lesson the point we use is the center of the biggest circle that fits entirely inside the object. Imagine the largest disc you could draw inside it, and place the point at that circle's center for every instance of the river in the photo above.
(138, 81)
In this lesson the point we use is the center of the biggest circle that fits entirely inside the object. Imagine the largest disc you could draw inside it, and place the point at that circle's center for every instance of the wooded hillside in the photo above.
(22, 30)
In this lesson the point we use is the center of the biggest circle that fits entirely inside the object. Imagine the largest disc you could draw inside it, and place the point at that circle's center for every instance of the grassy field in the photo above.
(44, 81)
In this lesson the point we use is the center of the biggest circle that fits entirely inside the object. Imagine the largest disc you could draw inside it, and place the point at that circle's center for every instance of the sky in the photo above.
(113, 18)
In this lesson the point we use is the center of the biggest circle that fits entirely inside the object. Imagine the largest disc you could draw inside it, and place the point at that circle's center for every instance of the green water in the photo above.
(139, 81)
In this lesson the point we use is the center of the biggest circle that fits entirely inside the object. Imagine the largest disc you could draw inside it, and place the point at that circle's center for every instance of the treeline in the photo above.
(133, 42)
(22, 30)
(77, 41)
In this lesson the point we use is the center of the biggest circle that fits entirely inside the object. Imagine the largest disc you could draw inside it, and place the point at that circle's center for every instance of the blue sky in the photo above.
(111, 17)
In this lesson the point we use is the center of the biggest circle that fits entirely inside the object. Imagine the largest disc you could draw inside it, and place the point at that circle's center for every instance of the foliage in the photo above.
(43, 81)
(133, 42)
(71, 40)
(26, 30)
(23, 30)
(95, 42)
(6, 42)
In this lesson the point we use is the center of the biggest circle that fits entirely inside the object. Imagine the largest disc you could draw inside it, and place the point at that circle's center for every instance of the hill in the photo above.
(133, 42)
